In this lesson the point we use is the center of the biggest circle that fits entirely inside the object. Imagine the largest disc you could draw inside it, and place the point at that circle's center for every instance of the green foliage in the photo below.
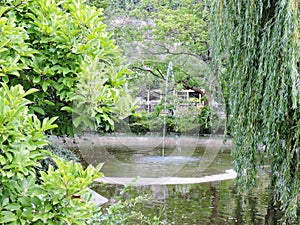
(62, 48)
(61, 196)
(192, 122)
(183, 22)
(153, 33)
(139, 124)
(126, 210)
(258, 42)
(21, 134)
(15, 52)
(67, 193)
(99, 3)
(98, 96)
(205, 120)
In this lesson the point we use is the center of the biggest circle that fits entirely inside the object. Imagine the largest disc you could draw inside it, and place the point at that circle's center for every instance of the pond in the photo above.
(181, 157)
(205, 203)
(188, 181)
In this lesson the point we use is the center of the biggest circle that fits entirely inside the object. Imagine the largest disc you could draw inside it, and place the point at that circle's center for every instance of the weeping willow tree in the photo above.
(256, 47)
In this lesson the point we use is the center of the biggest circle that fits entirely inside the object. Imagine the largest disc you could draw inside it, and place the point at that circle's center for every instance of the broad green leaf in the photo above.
(67, 108)
(3, 9)
(6, 217)
(31, 91)
(77, 121)
(38, 110)
(36, 79)
(45, 85)
(13, 207)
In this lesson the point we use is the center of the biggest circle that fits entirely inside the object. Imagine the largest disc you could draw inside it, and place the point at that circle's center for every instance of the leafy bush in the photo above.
(205, 120)
(62, 49)
(32, 55)
(66, 196)
(61, 152)
(99, 3)
(62, 195)
(192, 122)
(139, 123)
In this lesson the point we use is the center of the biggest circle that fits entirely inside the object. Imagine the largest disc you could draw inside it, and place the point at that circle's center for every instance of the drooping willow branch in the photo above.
(261, 86)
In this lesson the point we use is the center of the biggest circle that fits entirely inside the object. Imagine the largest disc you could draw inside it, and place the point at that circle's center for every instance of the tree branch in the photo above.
(186, 85)
(159, 74)
(205, 58)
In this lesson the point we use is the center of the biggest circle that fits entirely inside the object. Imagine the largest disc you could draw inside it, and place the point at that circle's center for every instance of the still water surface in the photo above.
(206, 203)
(214, 202)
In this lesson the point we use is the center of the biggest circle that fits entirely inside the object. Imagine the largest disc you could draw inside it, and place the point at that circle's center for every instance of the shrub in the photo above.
(192, 121)
(62, 49)
(62, 195)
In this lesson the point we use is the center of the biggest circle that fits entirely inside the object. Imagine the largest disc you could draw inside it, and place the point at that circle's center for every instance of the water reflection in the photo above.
(132, 156)
(208, 203)
(150, 163)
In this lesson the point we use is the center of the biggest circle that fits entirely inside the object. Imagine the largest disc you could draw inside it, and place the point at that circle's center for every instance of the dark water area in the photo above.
(206, 203)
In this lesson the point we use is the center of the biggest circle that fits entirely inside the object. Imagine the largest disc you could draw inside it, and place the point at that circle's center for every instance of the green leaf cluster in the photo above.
(99, 3)
(153, 33)
(192, 121)
(21, 134)
(60, 196)
(62, 48)
(67, 193)
(184, 22)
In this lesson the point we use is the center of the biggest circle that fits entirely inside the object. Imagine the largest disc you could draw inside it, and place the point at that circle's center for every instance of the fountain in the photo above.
(165, 113)
(158, 159)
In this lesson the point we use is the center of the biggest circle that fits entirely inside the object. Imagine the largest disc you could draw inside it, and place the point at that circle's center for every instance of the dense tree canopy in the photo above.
(62, 48)
(153, 33)
(257, 55)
